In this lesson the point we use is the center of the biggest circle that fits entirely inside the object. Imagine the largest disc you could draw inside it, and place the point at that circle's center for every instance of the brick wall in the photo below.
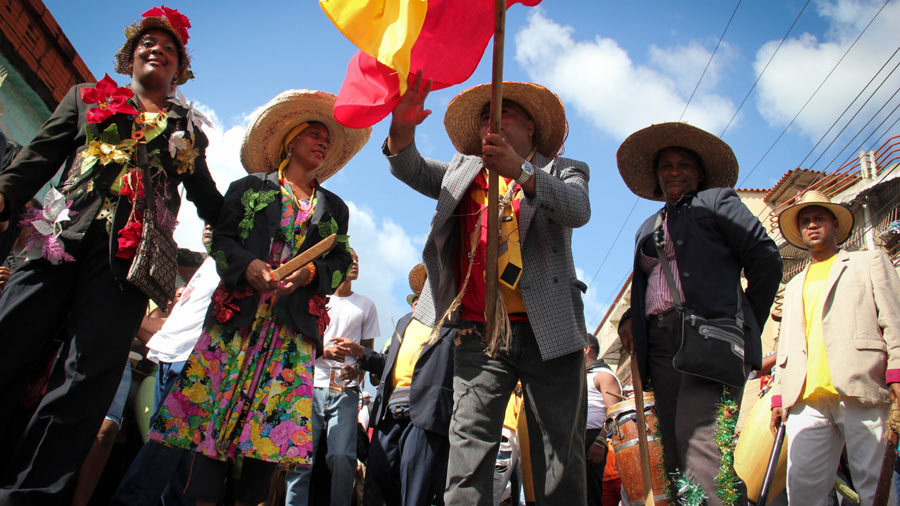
(33, 41)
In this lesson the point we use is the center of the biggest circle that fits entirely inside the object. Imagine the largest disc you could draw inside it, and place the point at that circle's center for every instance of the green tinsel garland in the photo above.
(726, 440)
(689, 491)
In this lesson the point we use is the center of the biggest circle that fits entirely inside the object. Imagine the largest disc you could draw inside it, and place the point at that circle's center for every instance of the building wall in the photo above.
(23, 111)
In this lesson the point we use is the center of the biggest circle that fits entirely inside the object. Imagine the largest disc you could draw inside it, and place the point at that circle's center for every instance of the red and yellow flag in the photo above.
(447, 47)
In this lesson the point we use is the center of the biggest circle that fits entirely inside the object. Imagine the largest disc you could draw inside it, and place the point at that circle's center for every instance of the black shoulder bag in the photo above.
(712, 348)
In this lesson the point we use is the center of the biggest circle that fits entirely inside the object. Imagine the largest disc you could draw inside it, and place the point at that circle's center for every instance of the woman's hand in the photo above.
(259, 275)
(293, 281)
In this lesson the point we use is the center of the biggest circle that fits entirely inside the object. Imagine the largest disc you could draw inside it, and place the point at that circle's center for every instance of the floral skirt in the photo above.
(244, 392)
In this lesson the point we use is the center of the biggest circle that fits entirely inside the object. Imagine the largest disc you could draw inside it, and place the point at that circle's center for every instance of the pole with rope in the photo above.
(493, 219)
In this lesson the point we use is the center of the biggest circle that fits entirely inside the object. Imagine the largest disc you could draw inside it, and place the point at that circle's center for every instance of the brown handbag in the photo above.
(155, 262)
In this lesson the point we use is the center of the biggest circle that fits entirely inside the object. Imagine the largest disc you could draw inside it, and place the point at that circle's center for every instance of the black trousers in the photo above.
(96, 318)
(408, 463)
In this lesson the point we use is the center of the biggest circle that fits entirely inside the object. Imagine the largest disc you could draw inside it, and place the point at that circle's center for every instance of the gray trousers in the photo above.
(686, 408)
(555, 408)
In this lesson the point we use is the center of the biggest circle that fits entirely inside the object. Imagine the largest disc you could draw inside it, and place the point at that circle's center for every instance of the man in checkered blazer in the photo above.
(547, 197)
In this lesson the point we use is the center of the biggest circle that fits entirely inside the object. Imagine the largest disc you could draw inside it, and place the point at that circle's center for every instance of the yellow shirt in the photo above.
(818, 376)
(513, 409)
(414, 338)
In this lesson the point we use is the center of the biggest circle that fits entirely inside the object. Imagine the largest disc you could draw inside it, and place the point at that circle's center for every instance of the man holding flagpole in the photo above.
(542, 198)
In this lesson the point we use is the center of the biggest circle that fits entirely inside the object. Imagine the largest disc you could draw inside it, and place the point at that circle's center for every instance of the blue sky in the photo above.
(618, 67)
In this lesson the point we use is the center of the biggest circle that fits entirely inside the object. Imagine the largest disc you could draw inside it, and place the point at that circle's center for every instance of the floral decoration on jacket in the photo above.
(224, 301)
(318, 309)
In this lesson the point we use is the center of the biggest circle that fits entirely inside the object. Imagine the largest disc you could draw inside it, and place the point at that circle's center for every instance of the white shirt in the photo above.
(178, 335)
(353, 317)
(596, 414)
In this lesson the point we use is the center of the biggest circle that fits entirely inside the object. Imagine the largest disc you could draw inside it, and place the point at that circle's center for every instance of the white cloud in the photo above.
(803, 62)
(599, 79)
(386, 255)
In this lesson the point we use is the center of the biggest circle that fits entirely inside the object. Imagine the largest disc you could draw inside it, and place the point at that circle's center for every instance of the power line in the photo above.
(613, 243)
(772, 57)
(710, 60)
(780, 135)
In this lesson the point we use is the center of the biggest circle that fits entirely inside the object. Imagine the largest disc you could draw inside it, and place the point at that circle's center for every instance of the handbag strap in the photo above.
(659, 242)
(144, 164)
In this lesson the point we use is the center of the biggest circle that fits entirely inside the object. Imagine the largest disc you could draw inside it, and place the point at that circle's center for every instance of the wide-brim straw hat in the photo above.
(417, 277)
(637, 153)
(463, 117)
(790, 229)
(261, 150)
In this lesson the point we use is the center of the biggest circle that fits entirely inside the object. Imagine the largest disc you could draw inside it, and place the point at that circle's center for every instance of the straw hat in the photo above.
(463, 117)
(417, 278)
(790, 229)
(636, 155)
(261, 149)
(163, 18)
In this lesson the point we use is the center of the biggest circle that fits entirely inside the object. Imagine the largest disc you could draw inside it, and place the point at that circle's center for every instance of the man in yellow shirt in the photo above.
(838, 361)
(411, 412)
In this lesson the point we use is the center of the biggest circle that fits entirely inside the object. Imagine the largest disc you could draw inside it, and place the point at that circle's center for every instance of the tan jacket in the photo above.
(861, 323)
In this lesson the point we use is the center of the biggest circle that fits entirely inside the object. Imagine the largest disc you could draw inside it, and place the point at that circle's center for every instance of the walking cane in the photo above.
(642, 433)
(773, 464)
(882, 489)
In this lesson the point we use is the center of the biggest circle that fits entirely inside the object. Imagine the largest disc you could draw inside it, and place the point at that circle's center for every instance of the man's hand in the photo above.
(334, 352)
(778, 415)
(895, 393)
(626, 337)
(498, 155)
(4, 276)
(292, 281)
(597, 454)
(408, 114)
(348, 347)
(259, 275)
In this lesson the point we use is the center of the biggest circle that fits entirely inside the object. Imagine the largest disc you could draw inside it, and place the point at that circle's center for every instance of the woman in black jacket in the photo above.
(247, 387)
(81, 245)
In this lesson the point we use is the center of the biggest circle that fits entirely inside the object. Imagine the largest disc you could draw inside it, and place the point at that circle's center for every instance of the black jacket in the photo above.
(431, 392)
(234, 250)
(716, 237)
(60, 142)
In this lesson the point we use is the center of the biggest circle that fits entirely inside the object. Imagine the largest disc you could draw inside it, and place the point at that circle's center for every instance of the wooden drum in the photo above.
(754, 447)
(621, 420)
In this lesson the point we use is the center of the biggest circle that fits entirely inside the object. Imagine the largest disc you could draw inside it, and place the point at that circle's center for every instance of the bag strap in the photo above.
(144, 164)
(659, 242)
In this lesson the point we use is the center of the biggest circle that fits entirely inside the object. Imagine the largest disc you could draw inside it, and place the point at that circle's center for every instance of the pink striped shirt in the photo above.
(658, 298)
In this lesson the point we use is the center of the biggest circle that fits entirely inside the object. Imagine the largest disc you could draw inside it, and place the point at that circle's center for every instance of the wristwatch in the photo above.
(527, 172)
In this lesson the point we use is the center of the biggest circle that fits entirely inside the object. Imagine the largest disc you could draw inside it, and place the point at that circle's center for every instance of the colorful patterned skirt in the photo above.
(244, 392)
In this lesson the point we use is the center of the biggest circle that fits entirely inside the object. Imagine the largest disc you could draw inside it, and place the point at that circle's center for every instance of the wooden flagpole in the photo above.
(493, 219)
(641, 422)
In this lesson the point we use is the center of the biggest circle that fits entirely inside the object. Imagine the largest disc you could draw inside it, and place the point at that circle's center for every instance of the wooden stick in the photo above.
(493, 219)
(617, 396)
(882, 488)
(642, 432)
(304, 258)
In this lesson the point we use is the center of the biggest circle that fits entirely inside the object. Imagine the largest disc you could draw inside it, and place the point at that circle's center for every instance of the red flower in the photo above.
(132, 185)
(129, 238)
(317, 308)
(110, 99)
(224, 301)
(179, 21)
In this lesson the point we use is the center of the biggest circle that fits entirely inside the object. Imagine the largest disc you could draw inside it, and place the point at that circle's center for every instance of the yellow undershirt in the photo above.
(513, 408)
(818, 376)
(414, 338)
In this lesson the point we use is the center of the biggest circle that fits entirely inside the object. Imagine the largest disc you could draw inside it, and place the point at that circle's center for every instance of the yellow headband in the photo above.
(286, 145)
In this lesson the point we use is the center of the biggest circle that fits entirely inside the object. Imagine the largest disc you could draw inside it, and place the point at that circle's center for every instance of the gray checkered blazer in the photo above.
(550, 290)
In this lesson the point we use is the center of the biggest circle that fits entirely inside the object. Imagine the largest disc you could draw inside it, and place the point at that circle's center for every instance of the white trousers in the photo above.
(816, 434)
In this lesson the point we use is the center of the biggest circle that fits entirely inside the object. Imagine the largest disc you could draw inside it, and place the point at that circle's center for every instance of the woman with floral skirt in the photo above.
(246, 390)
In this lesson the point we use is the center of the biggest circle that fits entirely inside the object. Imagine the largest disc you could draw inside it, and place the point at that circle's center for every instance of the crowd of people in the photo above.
(262, 352)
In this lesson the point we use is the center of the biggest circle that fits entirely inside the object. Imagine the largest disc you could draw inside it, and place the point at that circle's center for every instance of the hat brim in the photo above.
(463, 117)
(262, 146)
(790, 229)
(636, 155)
